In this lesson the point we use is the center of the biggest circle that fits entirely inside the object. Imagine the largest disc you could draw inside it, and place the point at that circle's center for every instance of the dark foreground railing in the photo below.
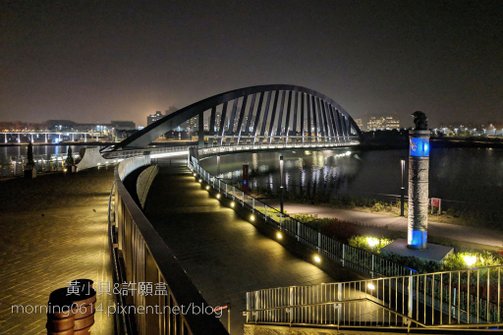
(153, 292)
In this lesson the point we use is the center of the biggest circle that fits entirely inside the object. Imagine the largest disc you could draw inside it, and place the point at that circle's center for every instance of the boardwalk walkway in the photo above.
(53, 230)
(224, 255)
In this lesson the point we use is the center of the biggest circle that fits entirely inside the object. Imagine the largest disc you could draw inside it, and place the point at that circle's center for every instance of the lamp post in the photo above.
(281, 187)
(402, 188)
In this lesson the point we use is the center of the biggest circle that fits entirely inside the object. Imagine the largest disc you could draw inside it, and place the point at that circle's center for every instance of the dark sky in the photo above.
(101, 60)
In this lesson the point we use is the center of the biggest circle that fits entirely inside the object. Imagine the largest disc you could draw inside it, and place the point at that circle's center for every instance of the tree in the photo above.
(31, 162)
(69, 158)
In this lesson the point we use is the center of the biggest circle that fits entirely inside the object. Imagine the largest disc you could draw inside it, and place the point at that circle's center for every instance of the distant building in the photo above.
(386, 122)
(154, 117)
(124, 125)
(61, 125)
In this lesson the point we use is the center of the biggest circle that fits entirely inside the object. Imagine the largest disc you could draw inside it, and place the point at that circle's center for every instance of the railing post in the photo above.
(410, 298)
(372, 267)
(319, 242)
(290, 303)
(343, 254)
(298, 231)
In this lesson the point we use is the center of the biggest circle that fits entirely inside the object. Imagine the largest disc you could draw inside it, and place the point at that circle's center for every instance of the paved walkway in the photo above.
(224, 255)
(53, 230)
(466, 234)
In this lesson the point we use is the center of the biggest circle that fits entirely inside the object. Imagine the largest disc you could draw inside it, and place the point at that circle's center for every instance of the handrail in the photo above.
(328, 303)
(446, 298)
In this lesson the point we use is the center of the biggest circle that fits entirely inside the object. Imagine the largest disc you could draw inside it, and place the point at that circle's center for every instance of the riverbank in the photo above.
(399, 139)
(54, 230)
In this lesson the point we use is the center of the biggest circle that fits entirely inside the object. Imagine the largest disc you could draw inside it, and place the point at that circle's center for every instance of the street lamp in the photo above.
(402, 188)
(281, 187)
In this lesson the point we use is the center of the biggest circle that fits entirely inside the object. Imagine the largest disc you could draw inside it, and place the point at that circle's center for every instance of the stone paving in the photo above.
(53, 230)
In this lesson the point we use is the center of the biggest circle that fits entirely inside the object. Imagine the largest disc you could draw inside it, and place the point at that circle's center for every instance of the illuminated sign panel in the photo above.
(419, 147)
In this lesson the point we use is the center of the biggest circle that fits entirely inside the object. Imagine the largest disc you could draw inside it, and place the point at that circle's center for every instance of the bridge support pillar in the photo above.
(200, 130)
(419, 152)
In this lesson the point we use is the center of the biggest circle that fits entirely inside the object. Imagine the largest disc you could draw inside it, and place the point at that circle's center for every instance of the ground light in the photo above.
(218, 196)
(194, 174)
(317, 259)
(470, 260)
(207, 187)
(371, 286)
(200, 180)
(372, 241)
(252, 218)
(232, 204)
(279, 235)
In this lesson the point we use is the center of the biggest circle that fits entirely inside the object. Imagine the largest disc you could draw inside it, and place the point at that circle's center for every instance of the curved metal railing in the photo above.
(141, 257)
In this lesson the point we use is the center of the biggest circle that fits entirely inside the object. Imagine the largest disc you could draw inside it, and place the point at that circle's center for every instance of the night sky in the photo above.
(96, 61)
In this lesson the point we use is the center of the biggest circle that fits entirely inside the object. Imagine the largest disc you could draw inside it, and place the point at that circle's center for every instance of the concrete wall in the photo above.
(144, 181)
(91, 158)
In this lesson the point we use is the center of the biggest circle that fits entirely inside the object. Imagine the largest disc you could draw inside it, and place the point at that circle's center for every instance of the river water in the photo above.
(47, 157)
(460, 176)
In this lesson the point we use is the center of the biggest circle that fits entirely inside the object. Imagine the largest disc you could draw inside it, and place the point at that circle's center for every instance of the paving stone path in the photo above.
(53, 230)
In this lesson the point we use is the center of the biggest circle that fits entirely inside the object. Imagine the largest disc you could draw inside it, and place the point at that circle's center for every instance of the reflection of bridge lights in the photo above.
(317, 259)
(279, 235)
(232, 204)
(207, 187)
(469, 260)
(218, 196)
(371, 286)
(252, 218)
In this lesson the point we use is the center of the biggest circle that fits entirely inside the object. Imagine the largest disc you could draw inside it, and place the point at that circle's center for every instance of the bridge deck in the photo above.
(224, 255)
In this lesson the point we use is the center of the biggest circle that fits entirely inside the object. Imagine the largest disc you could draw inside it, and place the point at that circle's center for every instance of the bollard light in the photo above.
(279, 235)
(317, 258)
(200, 180)
(218, 196)
(207, 187)
(232, 204)
(252, 218)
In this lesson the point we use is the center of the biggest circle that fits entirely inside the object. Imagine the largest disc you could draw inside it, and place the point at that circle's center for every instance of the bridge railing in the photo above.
(215, 148)
(154, 150)
(347, 256)
(141, 258)
(465, 298)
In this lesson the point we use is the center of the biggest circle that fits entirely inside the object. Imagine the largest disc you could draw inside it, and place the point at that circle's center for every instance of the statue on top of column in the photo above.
(420, 120)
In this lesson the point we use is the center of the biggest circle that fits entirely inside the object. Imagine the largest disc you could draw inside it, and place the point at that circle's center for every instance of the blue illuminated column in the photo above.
(419, 160)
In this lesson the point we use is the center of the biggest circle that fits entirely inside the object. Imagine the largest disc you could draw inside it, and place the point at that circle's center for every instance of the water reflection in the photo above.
(46, 157)
(467, 175)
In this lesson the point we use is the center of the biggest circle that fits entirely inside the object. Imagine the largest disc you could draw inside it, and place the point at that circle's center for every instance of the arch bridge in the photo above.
(256, 115)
